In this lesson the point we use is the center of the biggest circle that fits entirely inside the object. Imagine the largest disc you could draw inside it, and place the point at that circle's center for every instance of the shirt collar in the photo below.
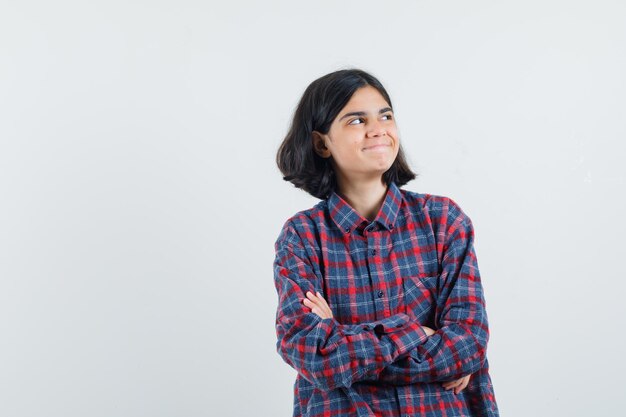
(347, 219)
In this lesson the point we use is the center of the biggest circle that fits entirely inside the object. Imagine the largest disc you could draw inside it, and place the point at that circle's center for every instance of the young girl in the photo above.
(380, 304)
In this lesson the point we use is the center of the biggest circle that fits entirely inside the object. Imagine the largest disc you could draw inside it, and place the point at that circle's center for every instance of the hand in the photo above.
(458, 385)
(428, 330)
(318, 305)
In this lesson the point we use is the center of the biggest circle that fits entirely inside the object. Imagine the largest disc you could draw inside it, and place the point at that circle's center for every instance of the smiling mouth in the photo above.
(376, 147)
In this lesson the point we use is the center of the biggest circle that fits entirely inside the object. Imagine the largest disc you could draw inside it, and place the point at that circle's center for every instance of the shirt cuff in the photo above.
(404, 333)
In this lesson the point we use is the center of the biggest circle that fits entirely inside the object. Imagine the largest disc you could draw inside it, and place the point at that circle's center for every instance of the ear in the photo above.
(319, 144)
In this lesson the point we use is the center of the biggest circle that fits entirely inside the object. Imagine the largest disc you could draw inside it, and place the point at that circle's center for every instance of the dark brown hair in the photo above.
(319, 106)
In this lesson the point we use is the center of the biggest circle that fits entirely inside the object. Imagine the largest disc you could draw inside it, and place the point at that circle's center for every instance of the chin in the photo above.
(384, 168)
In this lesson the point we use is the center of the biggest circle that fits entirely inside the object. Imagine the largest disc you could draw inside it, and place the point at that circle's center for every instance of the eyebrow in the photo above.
(362, 113)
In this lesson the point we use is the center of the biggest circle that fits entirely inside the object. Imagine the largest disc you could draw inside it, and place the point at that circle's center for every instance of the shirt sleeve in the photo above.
(328, 354)
(459, 344)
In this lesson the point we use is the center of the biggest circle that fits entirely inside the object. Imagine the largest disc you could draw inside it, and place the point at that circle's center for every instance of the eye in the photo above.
(387, 117)
(352, 122)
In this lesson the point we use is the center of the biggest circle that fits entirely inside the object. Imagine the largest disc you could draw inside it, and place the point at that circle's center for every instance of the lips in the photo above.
(377, 146)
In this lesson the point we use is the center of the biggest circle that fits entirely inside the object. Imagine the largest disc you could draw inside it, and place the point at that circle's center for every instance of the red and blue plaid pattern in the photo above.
(413, 265)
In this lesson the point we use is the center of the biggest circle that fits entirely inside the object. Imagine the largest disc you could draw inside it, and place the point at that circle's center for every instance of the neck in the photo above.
(364, 196)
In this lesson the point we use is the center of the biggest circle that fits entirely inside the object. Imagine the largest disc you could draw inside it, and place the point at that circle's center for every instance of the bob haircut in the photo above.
(319, 106)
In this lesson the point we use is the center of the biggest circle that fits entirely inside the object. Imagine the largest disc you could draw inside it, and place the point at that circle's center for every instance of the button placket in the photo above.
(377, 276)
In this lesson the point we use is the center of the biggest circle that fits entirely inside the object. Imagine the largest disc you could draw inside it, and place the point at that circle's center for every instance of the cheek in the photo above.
(396, 149)
(394, 134)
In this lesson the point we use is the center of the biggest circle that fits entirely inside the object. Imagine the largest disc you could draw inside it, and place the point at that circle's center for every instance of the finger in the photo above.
(324, 304)
(312, 298)
(456, 382)
(310, 304)
(459, 389)
(319, 301)
(317, 298)
(451, 384)
(316, 309)
(462, 386)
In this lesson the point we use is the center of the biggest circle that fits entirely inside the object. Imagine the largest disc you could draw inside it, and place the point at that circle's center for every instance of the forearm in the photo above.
(331, 355)
(428, 362)
(450, 353)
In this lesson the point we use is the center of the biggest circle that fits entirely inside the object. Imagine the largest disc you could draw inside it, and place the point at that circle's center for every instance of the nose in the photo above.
(376, 129)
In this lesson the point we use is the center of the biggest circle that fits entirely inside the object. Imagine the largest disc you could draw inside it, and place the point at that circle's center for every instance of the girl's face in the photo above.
(363, 139)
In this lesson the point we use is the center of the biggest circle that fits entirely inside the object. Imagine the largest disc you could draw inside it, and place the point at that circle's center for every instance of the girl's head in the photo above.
(342, 130)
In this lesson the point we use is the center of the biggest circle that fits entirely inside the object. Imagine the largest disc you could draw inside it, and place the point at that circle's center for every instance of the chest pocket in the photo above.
(417, 267)
(420, 298)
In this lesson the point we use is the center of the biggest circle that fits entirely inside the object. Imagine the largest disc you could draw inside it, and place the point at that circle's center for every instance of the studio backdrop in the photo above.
(140, 199)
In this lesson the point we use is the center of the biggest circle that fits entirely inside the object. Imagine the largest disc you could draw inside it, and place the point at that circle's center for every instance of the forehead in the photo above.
(364, 99)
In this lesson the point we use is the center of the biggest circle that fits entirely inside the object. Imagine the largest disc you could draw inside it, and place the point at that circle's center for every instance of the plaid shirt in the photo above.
(413, 265)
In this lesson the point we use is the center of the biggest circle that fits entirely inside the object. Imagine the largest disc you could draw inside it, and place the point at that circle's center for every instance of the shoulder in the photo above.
(303, 224)
(438, 209)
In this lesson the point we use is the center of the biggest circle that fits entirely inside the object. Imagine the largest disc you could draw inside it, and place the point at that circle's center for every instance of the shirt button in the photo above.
(390, 226)
(373, 251)
(380, 294)
(347, 229)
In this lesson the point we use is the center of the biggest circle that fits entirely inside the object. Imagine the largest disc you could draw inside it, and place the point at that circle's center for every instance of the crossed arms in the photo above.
(397, 349)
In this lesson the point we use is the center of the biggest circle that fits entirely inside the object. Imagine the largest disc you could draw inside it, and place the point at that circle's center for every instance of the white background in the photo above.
(140, 198)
